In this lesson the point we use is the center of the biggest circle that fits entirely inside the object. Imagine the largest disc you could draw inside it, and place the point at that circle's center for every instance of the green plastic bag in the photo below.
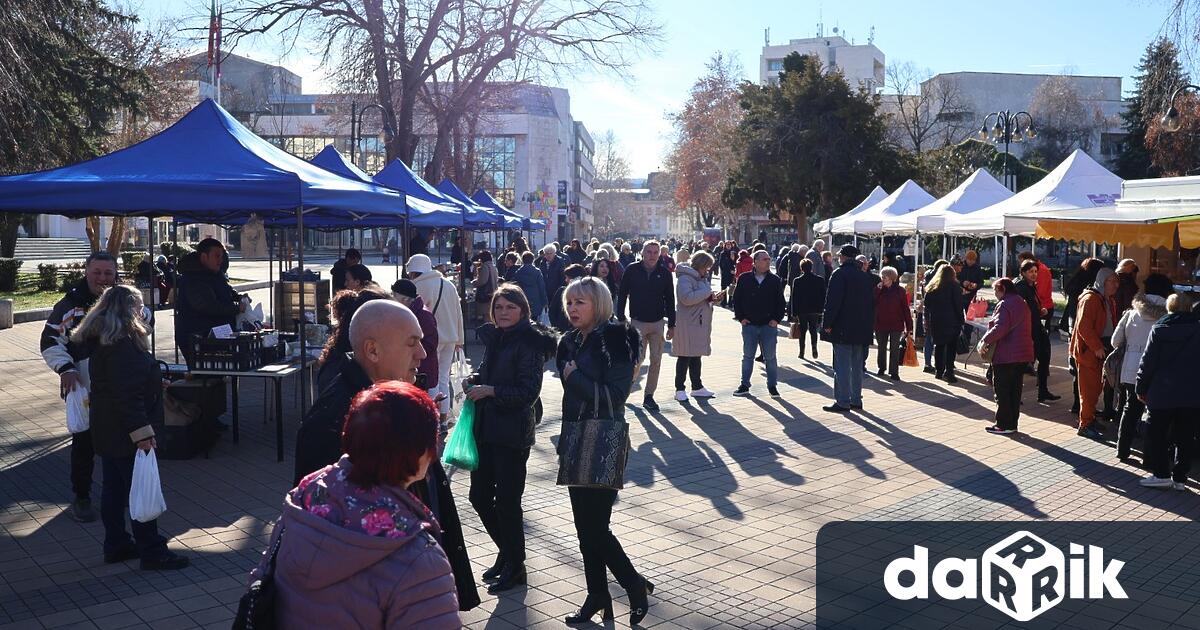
(460, 447)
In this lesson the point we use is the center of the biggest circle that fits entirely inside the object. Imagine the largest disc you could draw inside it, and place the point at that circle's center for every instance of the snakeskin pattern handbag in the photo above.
(592, 452)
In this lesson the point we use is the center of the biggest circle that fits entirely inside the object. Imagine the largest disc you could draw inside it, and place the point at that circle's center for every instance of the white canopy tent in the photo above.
(1079, 182)
(1150, 213)
(877, 195)
(980, 190)
(907, 198)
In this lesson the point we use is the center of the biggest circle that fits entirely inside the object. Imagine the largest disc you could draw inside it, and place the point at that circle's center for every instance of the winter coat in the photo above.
(650, 294)
(204, 300)
(1167, 373)
(727, 262)
(605, 358)
(891, 309)
(1091, 320)
(319, 444)
(446, 308)
(558, 313)
(808, 294)
(850, 306)
(513, 363)
(744, 264)
(1045, 287)
(485, 282)
(357, 558)
(337, 275)
(759, 303)
(627, 259)
(944, 315)
(429, 341)
(693, 314)
(971, 273)
(1010, 331)
(125, 397)
(531, 282)
(57, 350)
(552, 272)
(818, 263)
(1133, 330)
(1126, 290)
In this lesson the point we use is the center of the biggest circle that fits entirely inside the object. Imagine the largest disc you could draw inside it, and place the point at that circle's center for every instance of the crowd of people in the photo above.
(371, 502)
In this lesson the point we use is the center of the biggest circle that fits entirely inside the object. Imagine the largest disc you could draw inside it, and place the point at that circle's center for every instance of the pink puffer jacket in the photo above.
(1010, 331)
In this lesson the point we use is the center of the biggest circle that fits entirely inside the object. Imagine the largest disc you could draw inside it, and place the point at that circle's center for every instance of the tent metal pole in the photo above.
(1004, 241)
(153, 289)
(303, 318)
(398, 256)
(271, 279)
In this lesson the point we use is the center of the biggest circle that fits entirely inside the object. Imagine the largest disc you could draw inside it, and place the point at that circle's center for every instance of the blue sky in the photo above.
(1101, 37)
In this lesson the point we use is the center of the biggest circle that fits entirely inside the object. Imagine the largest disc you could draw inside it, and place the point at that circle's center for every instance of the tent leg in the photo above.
(271, 279)
(303, 318)
(175, 239)
(153, 289)
(1004, 241)
(407, 239)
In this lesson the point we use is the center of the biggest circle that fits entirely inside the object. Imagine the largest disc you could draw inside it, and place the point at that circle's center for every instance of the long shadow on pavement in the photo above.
(747, 449)
(821, 440)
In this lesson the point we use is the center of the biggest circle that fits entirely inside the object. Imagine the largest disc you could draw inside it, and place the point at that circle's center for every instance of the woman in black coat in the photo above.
(596, 360)
(944, 317)
(506, 390)
(807, 304)
(125, 400)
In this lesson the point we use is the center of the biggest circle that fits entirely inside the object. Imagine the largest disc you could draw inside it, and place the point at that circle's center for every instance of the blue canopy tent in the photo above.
(398, 176)
(205, 167)
(419, 211)
(484, 199)
(476, 214)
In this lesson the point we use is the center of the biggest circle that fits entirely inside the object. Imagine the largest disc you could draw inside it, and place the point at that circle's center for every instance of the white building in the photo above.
(861, 64)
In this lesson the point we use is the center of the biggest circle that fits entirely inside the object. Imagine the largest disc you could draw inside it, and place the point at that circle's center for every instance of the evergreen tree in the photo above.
(1160, 74)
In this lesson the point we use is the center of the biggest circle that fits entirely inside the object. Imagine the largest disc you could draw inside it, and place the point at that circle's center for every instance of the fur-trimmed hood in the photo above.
(1150, 307)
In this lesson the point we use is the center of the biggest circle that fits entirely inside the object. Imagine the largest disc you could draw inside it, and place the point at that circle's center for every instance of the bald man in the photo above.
(386, 338)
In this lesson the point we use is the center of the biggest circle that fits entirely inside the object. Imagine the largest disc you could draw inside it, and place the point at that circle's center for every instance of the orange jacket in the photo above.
(1090, 321)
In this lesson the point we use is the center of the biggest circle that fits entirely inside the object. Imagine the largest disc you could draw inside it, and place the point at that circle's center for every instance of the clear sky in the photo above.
(1100, 37)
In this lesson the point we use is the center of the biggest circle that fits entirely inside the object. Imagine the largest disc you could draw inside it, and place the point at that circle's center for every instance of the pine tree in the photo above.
(1160, 74)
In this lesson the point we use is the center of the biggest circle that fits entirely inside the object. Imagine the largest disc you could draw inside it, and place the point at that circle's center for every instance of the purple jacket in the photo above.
(1010, 331)
(355, 558)
(429, 366)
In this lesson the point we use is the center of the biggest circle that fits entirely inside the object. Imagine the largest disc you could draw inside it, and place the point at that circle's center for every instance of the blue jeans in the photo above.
(847, 374)
(753, 338)
(114, 502)
(928, 349)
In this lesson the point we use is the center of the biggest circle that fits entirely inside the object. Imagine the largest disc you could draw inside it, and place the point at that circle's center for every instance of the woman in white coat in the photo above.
(1131, 332)
(693, 323)
(441, 298)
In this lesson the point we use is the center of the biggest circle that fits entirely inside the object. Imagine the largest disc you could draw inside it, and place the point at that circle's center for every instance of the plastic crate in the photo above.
(242, 353)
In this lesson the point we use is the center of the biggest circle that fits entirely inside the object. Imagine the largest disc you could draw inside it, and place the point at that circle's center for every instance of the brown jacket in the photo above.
(1090, 320)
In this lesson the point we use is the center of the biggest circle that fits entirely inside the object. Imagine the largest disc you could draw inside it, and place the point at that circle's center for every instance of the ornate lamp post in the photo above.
(356, 116)
(1007, 130)
(1170, 120)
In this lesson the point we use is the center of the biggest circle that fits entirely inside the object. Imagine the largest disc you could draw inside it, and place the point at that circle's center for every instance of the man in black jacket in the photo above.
(337, 275)
(650, 292)
(758, 304)
(204, 299)
(67, 360)
(849, 322)
(386, 337)
(1026, 288)
(551, 264)
(728, 264)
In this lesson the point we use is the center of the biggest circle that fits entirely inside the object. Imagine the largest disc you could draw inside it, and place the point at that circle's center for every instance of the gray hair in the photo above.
(862, 258)
(819, 245)
(593, 289)
(795, 247)
(889, 272)
(113, 318)
(550, 247)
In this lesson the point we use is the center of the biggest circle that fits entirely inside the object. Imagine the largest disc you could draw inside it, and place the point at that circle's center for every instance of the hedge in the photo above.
(8, 273)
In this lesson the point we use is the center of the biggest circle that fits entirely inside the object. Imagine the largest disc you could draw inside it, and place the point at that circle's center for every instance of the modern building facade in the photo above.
(862, 64)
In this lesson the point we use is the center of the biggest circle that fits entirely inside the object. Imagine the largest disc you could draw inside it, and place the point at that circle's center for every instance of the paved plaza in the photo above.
(721, 511)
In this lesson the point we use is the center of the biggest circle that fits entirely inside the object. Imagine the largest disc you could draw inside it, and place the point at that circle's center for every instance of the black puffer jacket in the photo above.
(205, 299)
(513, 363)
(944, 313)
(125, 398)
(605, 358)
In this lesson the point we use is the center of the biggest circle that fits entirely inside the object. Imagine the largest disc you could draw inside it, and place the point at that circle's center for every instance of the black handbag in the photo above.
(592, 452)
(256, 609)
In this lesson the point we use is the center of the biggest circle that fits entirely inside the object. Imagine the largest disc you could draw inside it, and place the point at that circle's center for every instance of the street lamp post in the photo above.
(356, 116)
(1170, 120)
(1007, 130)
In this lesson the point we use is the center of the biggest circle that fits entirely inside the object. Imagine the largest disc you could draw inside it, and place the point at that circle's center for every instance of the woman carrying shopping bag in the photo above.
(126, 398)
(596, 360)
(506, 393)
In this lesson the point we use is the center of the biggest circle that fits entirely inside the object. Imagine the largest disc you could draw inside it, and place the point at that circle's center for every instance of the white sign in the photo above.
(910, 246)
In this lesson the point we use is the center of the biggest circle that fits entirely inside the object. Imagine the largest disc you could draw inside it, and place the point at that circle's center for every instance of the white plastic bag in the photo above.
(78, 419)
(458, 372)
(146, 501)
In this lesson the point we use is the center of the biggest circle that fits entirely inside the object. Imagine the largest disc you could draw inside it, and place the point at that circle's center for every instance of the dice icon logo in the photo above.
(1023, 576)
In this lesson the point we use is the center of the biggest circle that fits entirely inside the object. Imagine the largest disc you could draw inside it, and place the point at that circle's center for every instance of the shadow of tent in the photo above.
(821, 440)
(755, 456)
(935, 459)
(678, 458)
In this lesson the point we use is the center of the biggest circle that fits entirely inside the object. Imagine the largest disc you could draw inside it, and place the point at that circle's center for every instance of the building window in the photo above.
(774, 65)
(1111, 143)
(955, 116)
(495, 165)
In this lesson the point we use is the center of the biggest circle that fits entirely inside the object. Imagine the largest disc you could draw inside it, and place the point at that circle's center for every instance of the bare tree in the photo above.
(612, 196)
(393, 48)
(928, 112)
(1064, 122)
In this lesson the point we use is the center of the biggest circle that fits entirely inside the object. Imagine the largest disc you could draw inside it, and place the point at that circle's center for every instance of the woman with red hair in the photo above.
(354, 548)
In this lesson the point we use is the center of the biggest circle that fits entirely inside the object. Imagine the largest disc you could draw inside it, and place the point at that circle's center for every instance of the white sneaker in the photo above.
(1179, 485)
(681, 395)
(1156, 482)
(701, 393)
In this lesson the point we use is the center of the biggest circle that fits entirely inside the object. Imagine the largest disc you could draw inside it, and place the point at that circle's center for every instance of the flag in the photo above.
(220, 16)
(213, 27)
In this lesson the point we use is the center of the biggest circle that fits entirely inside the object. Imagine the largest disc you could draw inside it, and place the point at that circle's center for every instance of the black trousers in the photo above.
(114, 504)
(944, 355)
(1171, 429)
(684, 366)
(726, 280)
(592, 510)
(1130, 416)
(1041, 353)
(496, 489)
(810, 325)
(890, 349)
(83, 461)
(1008, 381)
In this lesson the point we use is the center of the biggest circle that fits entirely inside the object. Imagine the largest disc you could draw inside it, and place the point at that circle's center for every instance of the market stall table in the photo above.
(981, 325)
(276, 372)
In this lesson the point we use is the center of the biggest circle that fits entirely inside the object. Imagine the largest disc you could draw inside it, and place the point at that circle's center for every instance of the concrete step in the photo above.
(52, 249)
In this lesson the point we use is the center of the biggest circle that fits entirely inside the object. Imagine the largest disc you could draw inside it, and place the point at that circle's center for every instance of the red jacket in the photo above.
(891, 309)
(1045, 286)
(744, 264)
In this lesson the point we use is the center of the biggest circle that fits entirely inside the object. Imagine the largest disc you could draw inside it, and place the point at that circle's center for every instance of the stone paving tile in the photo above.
(721, 511)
